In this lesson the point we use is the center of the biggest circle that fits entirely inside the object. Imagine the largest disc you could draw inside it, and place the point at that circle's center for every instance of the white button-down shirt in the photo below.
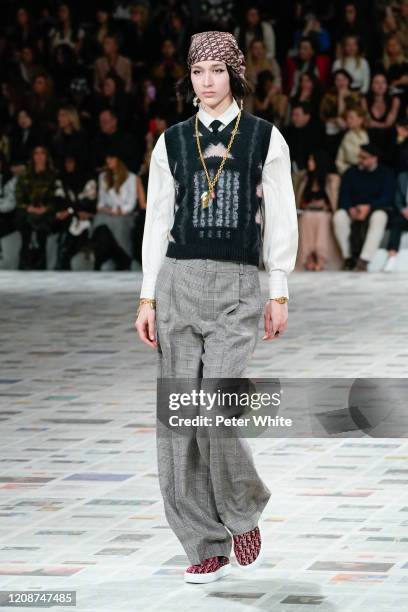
(280, 229)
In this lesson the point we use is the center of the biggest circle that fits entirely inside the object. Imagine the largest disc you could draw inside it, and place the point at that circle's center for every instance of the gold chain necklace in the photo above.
(210, 194)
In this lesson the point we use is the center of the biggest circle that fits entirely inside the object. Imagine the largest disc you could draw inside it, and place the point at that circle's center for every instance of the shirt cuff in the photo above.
(148, 287)
(278, 284)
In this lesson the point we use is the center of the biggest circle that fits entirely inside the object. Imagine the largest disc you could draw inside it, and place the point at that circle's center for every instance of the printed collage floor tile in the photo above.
(80, 504)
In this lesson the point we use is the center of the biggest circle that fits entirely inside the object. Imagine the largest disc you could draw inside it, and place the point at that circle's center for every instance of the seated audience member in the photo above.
(65, 31)
(400, 146)
(313, 29)
(352, 60)
(366, 198)
(336, 101)
(395, 65)
(165, 75)
(112, 62)
(141, 37)
(35, 213)
(69, 139)
(75, 198)
(24, 137)
(102, 26)
(113, 96)
(304, 61)
(257, 61)
(317, 200)
(110, 135)
(27, 68)
(399, 221)
(80, 97)
(24, 31)
(7, 198)
(355, 136)
(42, 103)
(353, 23)
(303, 136)
(118, 193)
(267, 101)
(382, 109)
(255, 27)
(309, 91)
(65, 68)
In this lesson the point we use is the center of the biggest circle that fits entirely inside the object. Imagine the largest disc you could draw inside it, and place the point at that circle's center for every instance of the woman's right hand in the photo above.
(145, 325)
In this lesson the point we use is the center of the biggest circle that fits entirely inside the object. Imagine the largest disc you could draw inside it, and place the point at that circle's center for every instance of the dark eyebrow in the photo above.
(212, 66)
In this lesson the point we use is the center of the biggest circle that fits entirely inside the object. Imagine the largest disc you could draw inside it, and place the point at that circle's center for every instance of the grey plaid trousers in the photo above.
(207, 322)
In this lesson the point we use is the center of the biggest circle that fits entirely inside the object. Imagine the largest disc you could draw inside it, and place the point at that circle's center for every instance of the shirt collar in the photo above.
(226, 117)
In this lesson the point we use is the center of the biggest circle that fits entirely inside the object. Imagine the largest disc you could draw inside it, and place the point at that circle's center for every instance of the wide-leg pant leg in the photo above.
(232, 306)
(184, 476)
(207, 324)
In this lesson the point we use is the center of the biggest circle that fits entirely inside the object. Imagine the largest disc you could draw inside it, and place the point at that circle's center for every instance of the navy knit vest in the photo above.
(229, 229)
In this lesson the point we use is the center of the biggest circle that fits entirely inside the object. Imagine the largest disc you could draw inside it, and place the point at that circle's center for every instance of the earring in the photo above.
(242, 104)
(196, 100)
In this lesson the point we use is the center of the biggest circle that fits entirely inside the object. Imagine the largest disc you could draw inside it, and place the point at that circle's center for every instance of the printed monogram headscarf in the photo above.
(215, 45)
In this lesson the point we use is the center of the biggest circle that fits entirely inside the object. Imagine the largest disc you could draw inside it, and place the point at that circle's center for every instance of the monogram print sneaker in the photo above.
(209, 570)
(248, 549)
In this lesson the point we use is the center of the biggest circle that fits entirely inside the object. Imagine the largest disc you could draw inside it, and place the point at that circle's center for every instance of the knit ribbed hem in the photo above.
(210, 250)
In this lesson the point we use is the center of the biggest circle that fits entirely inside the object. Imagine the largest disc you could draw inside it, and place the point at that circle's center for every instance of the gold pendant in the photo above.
(205, 199)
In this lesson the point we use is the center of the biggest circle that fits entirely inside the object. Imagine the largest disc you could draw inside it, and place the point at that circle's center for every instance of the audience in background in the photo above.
(87, 88)
(316, 198)
(119, 189)
(365, 201)
(36, 207)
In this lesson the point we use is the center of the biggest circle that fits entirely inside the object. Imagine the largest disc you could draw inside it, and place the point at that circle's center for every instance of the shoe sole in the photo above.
(209, 576)
(255, 564)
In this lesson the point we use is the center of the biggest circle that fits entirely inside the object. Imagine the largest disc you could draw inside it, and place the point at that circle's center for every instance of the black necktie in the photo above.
(215, 125)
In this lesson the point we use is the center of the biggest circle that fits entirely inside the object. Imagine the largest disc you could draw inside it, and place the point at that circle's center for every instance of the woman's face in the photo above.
(210, 81)
(109, 87)
(24, 120)
(109, 46)
(350, 13)
(63, 13)
(102, 17)
(40, 156)
(379, 85)
(111, 162)
(40, 85)
(252, 17)
(350, 46)
(393, 47)
(306, 83)
(258, 49)
(168, 49)
(353, 120)
(175, 22)
(305, 51)
(136, 15)
(22, 17)
(341, 82)
(63, 119)
(27, 55)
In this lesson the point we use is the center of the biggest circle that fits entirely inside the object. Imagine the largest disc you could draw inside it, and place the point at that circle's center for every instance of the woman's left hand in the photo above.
(275, 318)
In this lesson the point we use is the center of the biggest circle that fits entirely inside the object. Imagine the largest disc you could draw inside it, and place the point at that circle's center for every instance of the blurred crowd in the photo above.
(87, 88)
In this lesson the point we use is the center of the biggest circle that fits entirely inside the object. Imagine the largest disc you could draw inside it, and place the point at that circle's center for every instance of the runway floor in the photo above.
(80, 506)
